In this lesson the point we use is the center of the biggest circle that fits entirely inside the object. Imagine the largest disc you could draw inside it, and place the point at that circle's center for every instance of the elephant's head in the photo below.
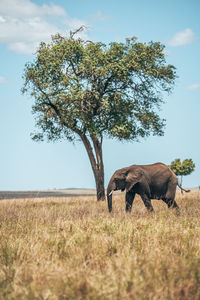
(123, 179)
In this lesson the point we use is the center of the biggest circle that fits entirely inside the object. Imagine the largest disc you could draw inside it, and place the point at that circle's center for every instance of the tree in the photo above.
(86, 91)
(182, 169)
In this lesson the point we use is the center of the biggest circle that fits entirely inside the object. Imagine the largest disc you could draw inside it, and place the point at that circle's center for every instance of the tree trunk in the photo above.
(99, 174)
(96, 160)
(99, 179)
(181, 180)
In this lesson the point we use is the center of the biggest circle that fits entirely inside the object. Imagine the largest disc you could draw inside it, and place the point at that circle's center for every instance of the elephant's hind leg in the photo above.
(129, 200)
(170, 195)
(171, 203)
(147, 202)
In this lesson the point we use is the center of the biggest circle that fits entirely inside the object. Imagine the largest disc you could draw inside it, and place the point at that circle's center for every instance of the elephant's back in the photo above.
(157, 169)
(159, 176)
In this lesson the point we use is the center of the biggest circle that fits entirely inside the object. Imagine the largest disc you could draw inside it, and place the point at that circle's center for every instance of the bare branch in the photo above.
(80, 29)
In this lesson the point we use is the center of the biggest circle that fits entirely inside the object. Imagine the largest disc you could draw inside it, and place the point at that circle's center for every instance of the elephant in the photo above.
(154, 181)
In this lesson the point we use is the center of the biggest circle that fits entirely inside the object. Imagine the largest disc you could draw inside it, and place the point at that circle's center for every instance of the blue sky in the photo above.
(26, 165)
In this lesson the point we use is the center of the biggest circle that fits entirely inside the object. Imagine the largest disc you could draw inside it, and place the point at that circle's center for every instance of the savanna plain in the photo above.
(72, 248)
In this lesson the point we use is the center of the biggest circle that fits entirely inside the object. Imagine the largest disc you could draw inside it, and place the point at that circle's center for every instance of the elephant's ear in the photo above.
(133, 177)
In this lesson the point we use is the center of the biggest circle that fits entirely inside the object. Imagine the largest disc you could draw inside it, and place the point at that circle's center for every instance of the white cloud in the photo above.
(194, 86)
(2, 20)
(2, 79)
(99, 16)
(26, 8)
(182, 38)
(24, 24)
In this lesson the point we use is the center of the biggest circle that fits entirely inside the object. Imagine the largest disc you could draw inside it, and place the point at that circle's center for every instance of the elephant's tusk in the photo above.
(110, 193)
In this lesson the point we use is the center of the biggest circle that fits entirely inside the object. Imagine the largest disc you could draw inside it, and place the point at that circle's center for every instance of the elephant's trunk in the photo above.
(110, 190)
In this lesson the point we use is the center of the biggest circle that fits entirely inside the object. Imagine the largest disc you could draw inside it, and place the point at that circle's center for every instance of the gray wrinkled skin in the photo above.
(156, 181)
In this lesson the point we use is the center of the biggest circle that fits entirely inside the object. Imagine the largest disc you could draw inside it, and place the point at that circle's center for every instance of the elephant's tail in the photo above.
(180, 187)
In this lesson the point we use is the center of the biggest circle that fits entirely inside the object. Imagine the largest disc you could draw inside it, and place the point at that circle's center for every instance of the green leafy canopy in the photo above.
(184, 168)
(96, 89)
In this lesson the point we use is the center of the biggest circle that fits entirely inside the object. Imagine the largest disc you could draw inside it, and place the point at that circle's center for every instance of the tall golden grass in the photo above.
(72, 248)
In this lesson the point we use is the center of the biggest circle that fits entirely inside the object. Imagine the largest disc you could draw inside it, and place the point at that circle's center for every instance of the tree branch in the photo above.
(80, 29)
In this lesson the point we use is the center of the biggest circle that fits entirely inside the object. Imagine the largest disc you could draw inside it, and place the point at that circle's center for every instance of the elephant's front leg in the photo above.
(129, 200)
(147, 202)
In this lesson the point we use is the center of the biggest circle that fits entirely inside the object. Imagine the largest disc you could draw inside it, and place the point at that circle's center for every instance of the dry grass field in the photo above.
(72, 248)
